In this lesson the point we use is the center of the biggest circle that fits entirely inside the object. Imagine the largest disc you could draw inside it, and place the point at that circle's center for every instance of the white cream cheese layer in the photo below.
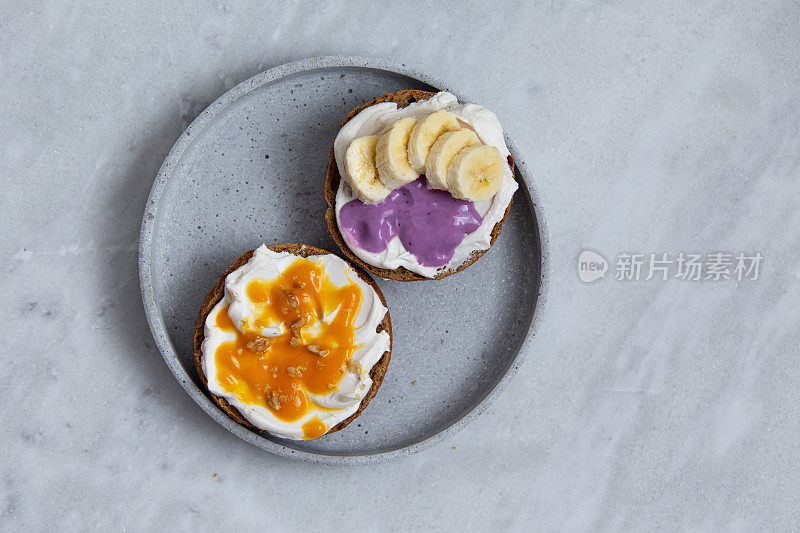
(377, 118)
(345, 399)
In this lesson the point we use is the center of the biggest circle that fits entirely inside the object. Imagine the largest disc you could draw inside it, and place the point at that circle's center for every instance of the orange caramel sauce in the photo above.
(313, 311)
(314, 428)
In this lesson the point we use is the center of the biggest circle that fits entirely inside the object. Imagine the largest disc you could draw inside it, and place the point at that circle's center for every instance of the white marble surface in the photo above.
(672, 126)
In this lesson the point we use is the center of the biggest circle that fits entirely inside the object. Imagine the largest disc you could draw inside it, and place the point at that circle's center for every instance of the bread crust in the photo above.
(216, 294)
(332, 179)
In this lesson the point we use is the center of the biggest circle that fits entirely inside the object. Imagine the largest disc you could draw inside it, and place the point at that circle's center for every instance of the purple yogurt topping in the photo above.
(429, 222)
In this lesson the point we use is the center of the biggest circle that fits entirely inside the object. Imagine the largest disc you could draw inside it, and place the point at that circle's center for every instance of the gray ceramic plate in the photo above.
(250, 170)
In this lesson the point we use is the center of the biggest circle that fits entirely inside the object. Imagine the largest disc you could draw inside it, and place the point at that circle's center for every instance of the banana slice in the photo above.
(476, 173)
(391, 155)
(442, 153)
(360, 171)
(425, 133)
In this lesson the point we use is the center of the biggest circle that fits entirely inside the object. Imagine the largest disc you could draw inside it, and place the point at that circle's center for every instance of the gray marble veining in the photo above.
(642, 405)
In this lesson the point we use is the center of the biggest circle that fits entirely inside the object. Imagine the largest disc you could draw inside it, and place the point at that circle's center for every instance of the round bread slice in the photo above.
(332, 179)
(303, 250)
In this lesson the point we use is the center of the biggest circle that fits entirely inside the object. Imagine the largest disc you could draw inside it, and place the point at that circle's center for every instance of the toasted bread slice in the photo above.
(332, 179)
(303, 250)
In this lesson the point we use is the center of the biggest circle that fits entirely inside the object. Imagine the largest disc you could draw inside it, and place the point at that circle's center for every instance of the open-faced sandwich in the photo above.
(293, 340)
(418, 185)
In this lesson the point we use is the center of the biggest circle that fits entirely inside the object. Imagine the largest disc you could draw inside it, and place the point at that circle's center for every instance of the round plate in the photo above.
(250, 170)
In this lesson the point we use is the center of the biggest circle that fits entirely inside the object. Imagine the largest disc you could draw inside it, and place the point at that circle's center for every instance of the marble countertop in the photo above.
(643, 404)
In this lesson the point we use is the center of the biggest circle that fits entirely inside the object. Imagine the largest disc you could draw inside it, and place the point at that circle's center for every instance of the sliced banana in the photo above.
(476, 173)
(361, 173)
(425, 133)
(391, 155)
(442, 153)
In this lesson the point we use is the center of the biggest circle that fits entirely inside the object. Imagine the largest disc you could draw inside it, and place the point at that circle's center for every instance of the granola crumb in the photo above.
(274, 400)
(291, 299)
(313, 348)
(296, 325)
(258, 344)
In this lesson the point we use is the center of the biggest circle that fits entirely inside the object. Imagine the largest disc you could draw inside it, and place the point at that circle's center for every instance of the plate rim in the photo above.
(154, 317)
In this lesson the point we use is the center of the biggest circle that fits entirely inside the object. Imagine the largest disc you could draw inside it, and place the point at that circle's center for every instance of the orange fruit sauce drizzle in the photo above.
(312, 354)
